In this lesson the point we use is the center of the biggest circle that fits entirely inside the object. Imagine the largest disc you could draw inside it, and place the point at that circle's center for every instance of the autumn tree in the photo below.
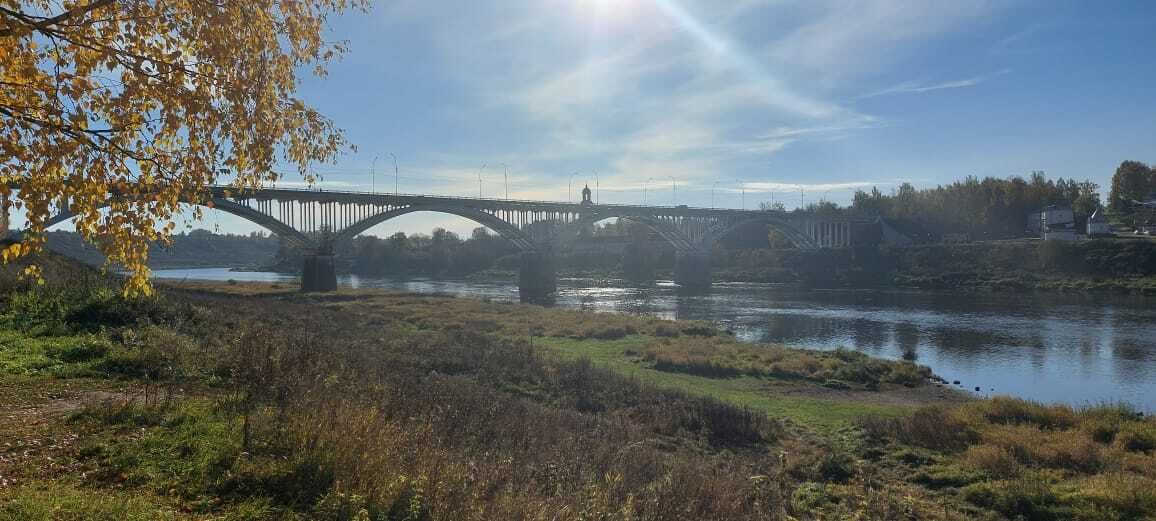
(1132, 181)
(133, 106)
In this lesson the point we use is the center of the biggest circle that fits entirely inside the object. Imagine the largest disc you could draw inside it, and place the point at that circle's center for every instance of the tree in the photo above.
(1132, 182)
(138, 105)
(776, 206)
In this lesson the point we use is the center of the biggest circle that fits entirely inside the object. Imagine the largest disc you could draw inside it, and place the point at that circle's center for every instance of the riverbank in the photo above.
(1091, 266)
(248, 401)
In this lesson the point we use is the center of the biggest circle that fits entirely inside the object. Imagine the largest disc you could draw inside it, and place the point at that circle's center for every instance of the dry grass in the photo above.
(1039, 462)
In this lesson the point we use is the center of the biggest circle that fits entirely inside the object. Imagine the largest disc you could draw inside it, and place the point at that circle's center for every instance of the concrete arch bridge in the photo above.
(317, 219)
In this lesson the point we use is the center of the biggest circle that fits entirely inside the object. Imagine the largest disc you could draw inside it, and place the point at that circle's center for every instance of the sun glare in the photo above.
(610, 9)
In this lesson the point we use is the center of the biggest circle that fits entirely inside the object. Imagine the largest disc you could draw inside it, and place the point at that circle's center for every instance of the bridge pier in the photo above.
(692, 270)
(537, 277)
(318, 274)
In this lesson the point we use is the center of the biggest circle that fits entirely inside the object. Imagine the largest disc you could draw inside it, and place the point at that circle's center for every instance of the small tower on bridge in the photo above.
(586, 197)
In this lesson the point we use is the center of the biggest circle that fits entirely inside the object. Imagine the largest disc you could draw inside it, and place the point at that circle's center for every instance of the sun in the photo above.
(609, 9)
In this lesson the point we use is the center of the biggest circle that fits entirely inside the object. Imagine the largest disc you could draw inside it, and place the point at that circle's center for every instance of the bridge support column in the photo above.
(318, 274)
(692, 270)
(537, 278)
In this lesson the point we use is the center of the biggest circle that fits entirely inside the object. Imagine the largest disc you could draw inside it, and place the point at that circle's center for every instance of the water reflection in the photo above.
(1050, 347)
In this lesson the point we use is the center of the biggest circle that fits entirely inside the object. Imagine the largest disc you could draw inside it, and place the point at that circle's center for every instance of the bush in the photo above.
(665, 331)
(907, 373)
(611, 332)
(835, 467)
(38, 313)
(1137, 437)
(994, 461)
(87, 350)
(1027, 498)
(933, 428)
(1007, 410)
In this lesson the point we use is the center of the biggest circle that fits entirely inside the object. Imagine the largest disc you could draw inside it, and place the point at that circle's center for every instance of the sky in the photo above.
(729, 103)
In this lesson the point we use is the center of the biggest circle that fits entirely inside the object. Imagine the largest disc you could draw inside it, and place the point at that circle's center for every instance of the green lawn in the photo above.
(756, 393)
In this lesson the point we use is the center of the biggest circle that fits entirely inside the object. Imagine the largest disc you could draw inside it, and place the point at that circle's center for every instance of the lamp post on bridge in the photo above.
(597, 189)
(395, 169)
(743, 188)
(674, 190)
(569, 183)
(644, 187)
(373, 176)
(712, 189)
(506, 179)
(480, 179)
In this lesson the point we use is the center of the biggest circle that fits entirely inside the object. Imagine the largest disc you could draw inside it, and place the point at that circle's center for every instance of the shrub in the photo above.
(906, 373)
(932, 427)
(991, 460)
(1130, 495)
(611, 332)
(38, 313)
(86, 350)
(835, 467)
(945, 476)
(1027, 498)
(1007, 410)
(811, 496)
(1137, 437)
(665, 331)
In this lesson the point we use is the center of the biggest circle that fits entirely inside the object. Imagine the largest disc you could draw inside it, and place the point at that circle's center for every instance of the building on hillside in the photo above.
(1053, 223)
(1098, 225)
(1144, 215)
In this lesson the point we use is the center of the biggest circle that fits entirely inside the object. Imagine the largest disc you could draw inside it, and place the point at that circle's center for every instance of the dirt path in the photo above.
(35, 439)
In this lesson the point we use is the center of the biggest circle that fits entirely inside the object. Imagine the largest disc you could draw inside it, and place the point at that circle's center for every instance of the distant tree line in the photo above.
(441, 254)
(196, 248)
(989, 208)
(1133, 181)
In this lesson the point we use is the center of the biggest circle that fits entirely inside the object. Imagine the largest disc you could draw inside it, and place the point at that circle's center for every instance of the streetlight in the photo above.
(712, 188)
(674, 190)
(644, 187)
(569, 197)
(480, 179)
(597, 189)
(395, 169)
(373, 176)
(743, 187)
(506, 179)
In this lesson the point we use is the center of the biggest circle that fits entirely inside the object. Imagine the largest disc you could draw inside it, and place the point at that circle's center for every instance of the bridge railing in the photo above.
(241, 193)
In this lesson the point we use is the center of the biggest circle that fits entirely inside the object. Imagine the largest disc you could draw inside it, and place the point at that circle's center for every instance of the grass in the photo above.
(1032, 461)
(753, 392)
(252, 402)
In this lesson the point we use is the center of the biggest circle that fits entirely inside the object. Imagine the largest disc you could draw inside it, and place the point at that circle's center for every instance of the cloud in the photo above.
(681, 88)
(838, 39)
(767, 187)
(911, 87)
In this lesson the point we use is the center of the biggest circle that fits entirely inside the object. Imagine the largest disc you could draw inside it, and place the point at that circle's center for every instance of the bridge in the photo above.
(316, 220)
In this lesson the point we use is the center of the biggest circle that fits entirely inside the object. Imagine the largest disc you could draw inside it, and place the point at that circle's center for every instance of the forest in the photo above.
(982, 209)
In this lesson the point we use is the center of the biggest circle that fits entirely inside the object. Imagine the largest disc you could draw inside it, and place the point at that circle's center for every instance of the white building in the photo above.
(1054, 223)
(1051, 217)
(1098, 224)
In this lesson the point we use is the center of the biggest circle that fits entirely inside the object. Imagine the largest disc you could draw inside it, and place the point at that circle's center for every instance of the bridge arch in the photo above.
(797, 237)
(504, 229)
(267, 222)
(668, 231)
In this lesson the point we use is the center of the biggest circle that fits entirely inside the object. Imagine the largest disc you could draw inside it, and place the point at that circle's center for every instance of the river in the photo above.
(1050, 347)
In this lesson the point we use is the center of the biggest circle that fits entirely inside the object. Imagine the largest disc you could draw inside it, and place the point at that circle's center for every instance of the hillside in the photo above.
(198, 248)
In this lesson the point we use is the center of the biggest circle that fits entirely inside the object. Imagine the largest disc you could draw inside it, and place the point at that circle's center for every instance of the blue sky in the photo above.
(772, 96)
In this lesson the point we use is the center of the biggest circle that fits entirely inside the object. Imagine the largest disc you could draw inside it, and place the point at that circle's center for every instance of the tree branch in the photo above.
(40, 25)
